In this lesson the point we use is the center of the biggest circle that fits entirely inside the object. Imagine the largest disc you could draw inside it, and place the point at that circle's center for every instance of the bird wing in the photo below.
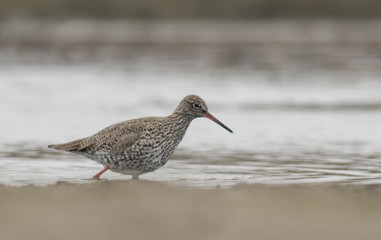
(112, 140)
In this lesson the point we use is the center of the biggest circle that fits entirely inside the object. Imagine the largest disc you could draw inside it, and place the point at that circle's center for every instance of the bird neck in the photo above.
(180, 119)
(178, 126)
(181, 115)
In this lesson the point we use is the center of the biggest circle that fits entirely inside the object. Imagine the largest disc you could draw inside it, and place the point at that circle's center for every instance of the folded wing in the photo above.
(112, 140)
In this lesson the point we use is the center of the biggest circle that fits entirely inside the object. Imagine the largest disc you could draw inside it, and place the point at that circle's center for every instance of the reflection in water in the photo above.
(304, 108)
(23, 165)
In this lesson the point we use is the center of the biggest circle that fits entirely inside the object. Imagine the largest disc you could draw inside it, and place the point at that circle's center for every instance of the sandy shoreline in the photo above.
(146, 210)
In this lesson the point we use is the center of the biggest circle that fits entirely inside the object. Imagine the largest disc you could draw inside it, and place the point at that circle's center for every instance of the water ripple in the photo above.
(26, 164)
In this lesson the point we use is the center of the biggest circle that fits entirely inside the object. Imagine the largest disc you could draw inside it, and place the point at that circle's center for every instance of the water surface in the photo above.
(303, 109)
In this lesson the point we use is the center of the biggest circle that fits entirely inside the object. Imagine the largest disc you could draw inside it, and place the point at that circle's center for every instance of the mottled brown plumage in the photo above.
(140, 145)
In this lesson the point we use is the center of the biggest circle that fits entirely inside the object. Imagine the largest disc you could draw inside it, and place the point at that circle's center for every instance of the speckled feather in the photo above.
(140, 145)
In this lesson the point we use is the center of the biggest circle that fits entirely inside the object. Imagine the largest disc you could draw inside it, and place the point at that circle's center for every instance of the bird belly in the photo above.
(146, 155)
(131, 162)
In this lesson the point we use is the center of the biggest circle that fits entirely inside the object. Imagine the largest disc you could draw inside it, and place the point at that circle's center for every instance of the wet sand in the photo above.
(148, 210)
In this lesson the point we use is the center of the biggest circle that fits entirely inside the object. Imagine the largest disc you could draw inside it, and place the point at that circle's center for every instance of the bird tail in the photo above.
(73, 146)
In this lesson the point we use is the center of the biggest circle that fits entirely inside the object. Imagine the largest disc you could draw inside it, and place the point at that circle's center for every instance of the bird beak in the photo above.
(210, 116)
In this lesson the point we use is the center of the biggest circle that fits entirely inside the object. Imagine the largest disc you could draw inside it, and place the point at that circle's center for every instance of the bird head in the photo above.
(194, 106)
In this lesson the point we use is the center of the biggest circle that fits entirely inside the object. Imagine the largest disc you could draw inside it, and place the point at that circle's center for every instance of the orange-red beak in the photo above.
(210, 116)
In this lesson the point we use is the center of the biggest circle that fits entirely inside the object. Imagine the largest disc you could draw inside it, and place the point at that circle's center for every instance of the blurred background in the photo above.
(298, 81)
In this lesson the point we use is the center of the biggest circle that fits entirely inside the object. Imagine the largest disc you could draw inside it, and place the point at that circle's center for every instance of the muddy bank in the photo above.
(146, 210)
(259, 45)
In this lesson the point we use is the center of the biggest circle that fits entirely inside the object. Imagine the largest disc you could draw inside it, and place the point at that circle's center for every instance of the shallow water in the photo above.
(292, 123)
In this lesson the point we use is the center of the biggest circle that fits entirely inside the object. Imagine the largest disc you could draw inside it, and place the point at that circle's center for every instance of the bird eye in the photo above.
(196, 106)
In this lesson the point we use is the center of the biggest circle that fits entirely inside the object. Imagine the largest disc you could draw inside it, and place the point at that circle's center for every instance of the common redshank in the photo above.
(142, 145)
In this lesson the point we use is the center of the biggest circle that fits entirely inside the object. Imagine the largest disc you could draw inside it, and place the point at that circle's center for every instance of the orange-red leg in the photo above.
(101, 172)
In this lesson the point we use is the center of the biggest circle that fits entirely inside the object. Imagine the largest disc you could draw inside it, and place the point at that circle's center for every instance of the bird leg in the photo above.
(135, 177)
(101, 172)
